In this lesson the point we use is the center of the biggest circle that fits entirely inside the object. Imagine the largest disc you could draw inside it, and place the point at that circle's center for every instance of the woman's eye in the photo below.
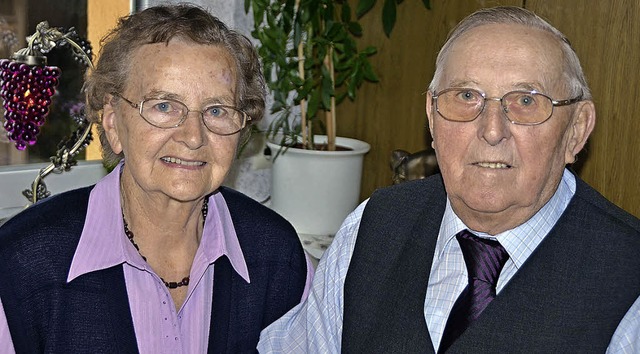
(164, 107)
(216, 112)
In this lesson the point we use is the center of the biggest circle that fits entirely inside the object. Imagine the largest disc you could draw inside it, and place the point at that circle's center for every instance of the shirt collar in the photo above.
(522, 240)
(103, 243)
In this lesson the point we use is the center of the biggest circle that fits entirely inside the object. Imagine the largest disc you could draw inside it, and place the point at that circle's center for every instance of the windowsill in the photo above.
(16, 178)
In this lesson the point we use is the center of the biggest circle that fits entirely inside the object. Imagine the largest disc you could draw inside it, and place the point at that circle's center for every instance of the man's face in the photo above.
(498, 174)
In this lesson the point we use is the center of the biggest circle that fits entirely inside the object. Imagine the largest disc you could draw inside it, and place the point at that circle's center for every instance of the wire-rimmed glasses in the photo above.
(169, 113)
(519, 107)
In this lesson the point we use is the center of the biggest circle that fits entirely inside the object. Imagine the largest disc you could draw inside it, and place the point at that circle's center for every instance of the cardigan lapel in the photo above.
(221, 307)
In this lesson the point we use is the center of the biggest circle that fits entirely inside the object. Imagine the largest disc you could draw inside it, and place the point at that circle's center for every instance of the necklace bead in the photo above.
(130, 236)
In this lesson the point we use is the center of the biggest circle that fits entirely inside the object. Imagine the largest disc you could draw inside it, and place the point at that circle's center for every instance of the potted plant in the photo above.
(312, 63)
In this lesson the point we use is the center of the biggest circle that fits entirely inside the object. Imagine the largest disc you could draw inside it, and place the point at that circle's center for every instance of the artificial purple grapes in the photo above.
(26, 92)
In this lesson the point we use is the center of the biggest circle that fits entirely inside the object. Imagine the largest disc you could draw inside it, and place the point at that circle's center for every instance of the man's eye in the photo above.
(526, 100)
(468, 95)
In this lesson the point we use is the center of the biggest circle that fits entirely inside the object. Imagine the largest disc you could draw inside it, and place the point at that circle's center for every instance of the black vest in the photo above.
(91, 314)
(568, 297)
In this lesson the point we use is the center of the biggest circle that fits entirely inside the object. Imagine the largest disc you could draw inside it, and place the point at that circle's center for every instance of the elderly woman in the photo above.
(157, 257)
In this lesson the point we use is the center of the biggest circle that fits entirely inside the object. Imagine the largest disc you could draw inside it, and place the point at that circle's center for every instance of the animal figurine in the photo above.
(410, 166)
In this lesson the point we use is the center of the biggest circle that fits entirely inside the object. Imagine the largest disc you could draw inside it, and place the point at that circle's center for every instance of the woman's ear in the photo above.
(110, 125)
(584, 120)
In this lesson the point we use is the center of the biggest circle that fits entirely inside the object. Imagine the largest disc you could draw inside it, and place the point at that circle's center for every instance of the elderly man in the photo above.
(505, 251)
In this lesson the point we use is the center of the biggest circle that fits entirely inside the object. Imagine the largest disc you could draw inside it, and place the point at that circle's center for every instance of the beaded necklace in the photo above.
(171, 284)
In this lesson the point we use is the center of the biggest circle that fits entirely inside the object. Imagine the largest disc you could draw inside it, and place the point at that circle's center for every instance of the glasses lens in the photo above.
(461, 105)
(223, 119)
(527, 107)
(163, 113)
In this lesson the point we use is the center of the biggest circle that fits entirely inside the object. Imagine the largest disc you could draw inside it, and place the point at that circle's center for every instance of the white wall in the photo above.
(231, 12)
(16, 178)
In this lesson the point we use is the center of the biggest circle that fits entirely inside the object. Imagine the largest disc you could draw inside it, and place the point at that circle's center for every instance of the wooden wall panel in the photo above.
(390, 115)
(606, 36)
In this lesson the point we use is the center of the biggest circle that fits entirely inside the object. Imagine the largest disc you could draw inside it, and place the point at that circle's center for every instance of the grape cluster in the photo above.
(26, 92)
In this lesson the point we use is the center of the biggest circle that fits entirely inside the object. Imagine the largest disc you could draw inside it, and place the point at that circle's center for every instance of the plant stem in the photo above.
(331, 115)
(303, 102)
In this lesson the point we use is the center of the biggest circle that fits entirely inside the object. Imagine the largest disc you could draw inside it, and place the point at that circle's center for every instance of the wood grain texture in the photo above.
(102, 16)
(606, 36)
(390, 114)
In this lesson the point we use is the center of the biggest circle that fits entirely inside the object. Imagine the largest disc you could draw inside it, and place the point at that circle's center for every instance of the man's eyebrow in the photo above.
(522, 85)
(463, 83)
(529, 86)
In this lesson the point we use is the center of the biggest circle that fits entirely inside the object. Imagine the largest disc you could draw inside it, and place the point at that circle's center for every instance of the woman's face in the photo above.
(189, 161)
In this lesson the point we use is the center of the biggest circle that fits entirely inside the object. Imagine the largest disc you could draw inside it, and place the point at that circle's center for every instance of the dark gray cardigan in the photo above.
(91, 314)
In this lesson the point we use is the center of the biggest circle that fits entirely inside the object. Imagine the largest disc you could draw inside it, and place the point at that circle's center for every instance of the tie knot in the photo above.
(484, 258)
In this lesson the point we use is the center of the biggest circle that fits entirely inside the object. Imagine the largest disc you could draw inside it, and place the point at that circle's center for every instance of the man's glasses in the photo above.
(519, 107)
(168, 113)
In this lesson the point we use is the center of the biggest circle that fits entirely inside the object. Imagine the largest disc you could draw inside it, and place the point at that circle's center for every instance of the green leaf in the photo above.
(351, 90)
(340, 97)
(327, 88)
(345, 15)
(297, 34)
(276, 107)
(340, 78)
(334, 31)
(270, 44)
(312, 104)
(367, 69)
(369, 51)
(364, 6)
(388, 16)
(355, 28)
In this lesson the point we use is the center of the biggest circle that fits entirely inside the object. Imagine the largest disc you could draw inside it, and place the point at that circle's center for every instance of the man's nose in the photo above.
(493, 125)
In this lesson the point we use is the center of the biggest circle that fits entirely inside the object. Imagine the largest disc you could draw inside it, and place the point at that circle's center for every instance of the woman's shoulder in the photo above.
(245, 209)
(258, 226)
(59, 214)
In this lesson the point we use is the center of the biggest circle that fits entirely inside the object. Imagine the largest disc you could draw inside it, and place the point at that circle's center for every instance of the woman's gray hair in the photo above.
(160, 24)
(575, 79)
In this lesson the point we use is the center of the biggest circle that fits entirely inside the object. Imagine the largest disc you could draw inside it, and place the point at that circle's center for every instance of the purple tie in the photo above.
(485, 259)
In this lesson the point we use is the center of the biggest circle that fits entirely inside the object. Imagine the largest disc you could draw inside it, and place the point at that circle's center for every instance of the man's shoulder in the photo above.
(406, 204)
(598, 210)
(413, 191)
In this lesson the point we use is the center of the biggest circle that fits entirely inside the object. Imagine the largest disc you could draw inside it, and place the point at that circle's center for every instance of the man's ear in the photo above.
(429, 110)
(583, 122)
(110, 125)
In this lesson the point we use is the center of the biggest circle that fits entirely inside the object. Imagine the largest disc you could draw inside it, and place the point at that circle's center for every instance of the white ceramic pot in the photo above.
(316, 190)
